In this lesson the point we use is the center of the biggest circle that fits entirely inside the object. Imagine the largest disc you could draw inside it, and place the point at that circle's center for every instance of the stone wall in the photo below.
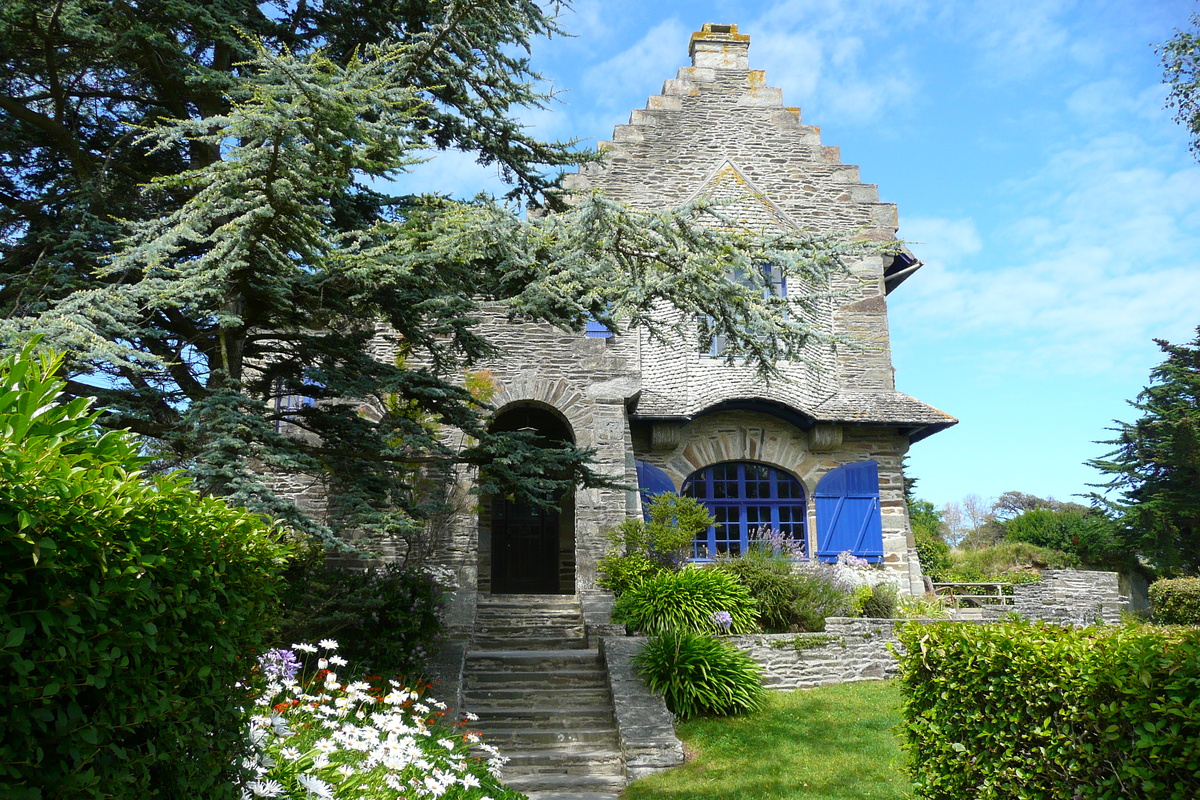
(646, 727)
(1073, 597)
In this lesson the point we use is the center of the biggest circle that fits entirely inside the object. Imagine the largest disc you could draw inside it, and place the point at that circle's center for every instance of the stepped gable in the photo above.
(718, 131)
(716, 111)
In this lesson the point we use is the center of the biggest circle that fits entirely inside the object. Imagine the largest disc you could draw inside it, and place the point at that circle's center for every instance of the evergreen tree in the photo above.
(184, 210)
(1155, 467)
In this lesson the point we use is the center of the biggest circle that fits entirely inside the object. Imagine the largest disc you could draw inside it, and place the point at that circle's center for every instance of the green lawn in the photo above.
(832, 743)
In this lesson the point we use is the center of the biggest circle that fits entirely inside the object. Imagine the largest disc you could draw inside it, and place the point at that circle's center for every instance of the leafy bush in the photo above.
(932, 549)
(639, 550)
(129, 606)
(881, 604)
(1008, 562)
(686, 601)
(1036, 711)
(1176, 601)
(619, 573)
(699, 674)
(310, 741)
(1087, 534)
(386, 618)
(773, 586)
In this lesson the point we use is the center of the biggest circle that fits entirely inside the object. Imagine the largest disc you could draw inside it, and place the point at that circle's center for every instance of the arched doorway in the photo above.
(532, 547)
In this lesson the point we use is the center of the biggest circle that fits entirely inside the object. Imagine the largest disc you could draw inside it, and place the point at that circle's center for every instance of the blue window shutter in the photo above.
(652, 481)
(848, 515)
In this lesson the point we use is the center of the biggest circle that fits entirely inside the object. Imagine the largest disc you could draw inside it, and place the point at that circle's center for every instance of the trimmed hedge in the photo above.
(1039, 712)
(1176, 601)
(129, 610)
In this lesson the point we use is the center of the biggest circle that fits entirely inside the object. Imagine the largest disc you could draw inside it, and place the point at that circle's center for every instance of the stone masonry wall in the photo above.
(1073, 597)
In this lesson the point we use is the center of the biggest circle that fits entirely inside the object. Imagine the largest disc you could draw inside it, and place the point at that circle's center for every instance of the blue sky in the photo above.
(1038, 176)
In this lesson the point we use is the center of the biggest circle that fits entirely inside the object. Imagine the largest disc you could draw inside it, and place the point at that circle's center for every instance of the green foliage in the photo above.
(1181, 71)
(639, 550)
(130, 607)
(1007, 562)
(202, 176)
(384, 618)
(1176, 602)
(881, 602)
(686, 601)
(699, 674)
(774, 587)
(1047, 713)
(932, 549)
(1088, 534)
(920, 608)
(1155, 467)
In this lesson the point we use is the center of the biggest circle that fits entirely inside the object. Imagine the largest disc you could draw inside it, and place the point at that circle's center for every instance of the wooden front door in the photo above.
(524, 549)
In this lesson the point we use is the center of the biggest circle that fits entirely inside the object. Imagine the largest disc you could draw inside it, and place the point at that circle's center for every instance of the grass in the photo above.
(832, 743)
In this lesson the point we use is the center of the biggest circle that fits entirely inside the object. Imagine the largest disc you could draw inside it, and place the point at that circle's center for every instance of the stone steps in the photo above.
(542, 698)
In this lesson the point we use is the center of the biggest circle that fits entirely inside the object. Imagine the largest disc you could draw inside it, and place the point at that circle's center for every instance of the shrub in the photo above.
(386, 618)
(1008, 562)
(1036, 711)
(686, 601)
(639, 550)
(619, 573)
(881, 604)
(129, 607)
(1176, 601)
(772, 585)
(1088, 535)
(699, 674)
(326, 736)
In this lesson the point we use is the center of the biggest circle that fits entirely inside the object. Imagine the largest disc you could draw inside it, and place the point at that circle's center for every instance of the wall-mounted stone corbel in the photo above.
(664, 435)
(825, 438)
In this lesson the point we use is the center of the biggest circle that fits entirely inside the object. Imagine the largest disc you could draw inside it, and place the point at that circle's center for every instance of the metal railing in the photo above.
(976, 595)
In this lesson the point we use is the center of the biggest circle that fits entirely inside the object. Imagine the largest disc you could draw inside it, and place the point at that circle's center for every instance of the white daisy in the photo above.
(328, 644)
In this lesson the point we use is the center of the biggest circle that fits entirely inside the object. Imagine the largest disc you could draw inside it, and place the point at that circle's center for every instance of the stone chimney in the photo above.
(720, 47)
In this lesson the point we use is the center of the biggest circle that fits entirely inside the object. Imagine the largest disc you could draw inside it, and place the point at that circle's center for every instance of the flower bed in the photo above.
(323, 737)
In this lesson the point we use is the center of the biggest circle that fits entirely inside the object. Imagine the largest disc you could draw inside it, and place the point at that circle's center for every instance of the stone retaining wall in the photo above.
(647, 728)
(850, 649)
(1069, 596)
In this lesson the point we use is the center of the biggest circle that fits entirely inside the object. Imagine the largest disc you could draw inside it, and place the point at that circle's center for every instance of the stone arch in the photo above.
(559, 395)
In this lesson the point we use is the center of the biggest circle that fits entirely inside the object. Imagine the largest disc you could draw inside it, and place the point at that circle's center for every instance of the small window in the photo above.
(746, 499)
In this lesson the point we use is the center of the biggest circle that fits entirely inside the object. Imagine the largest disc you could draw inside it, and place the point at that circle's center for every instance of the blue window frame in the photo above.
(744, 496)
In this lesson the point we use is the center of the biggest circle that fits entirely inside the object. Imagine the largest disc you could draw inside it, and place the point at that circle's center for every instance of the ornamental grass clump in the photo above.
(699, 674)
(686, 601)
(313, 734)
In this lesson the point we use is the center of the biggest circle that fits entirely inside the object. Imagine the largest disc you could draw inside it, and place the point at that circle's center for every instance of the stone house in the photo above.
(816, 455)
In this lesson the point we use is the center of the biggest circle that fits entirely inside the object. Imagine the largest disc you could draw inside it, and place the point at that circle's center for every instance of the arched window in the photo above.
(745, 497)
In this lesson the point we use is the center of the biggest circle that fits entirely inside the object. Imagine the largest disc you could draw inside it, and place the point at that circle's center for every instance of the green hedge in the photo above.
(1040, 712)
(686, 601)
(130, 610)
(1176, 602)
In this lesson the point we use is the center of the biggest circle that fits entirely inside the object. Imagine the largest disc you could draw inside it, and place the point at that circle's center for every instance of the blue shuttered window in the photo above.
(848, 517)
(745, 497)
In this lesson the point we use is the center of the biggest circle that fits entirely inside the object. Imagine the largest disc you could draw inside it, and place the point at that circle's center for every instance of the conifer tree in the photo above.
(185, 211)
(1155, 468)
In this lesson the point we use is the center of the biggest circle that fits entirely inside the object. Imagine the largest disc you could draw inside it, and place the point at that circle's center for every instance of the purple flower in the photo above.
(723, 620)
(279, 664)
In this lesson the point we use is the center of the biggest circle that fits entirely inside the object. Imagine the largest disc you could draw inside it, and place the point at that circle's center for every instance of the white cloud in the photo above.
(654, 58)
(941, 241)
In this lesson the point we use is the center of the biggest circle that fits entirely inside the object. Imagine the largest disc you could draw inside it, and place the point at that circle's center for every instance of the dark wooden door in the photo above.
(524, 549)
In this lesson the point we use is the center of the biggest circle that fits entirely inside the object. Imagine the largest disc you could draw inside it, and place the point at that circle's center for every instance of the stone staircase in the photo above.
(542, 698)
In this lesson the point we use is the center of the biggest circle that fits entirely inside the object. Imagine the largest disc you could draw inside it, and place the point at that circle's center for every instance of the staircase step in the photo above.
(531, 660)
(541, 681)
(557, 696)
(492, 642)
(516, 717)
(601, 760)
(517, 739)
(563, 783)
